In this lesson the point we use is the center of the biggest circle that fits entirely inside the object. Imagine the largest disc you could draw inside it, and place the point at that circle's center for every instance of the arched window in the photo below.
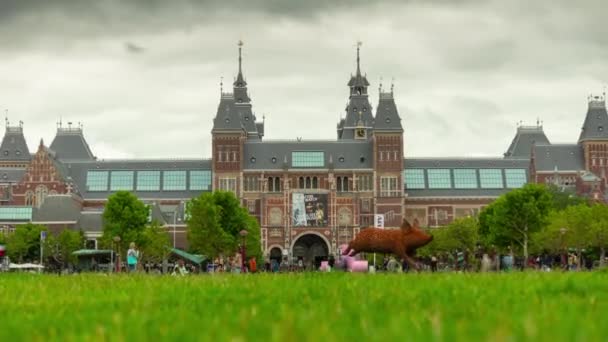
(308, 183)
(339, 184)
(41, 193)
(29, 198)
(315, 183)
(277, 184)
(345, 184)
(301, 182)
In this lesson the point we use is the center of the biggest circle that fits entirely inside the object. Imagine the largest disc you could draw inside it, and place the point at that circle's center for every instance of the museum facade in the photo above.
(309, 196)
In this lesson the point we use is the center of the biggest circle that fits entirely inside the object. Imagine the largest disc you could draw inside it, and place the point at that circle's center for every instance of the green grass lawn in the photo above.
(306, 307)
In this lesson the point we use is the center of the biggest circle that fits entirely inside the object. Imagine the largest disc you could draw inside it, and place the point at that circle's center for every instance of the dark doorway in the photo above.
(312, 249)
(275, 254)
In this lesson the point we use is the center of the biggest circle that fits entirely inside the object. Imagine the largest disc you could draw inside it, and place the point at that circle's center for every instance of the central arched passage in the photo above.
(311, 249)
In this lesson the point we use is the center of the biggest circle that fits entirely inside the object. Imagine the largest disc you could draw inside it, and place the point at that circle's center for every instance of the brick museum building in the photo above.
(309, 196)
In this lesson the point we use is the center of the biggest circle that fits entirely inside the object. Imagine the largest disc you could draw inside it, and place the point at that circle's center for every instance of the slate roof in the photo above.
(387, 115)
(526, 136)
(14, 147)
(227, 118)
(70, 144)
(356, 154)
(358, 109)
(57, 208)
(90, 221)
(596, 121)
(77, 172)
(566, 157)
(11, 175)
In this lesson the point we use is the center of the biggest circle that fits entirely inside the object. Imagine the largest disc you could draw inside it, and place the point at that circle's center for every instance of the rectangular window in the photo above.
(364, 183)
(439, 178)
(388, 187)
(16, 213)
(307, 159)
(97, 180)
(465, 178)
(366, 205)
(121, 180)
(200, 180)
(174, 180)
(148, 181)
(227, 184)
(516, 178)
(414, 178)
(491, 178)
(251, 183)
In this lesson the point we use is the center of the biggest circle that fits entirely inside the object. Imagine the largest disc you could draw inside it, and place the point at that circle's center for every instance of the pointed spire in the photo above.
(240, 44)
(240, 80)
(359, 43)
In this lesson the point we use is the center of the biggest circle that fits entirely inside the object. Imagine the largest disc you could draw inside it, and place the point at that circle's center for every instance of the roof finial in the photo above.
(20, 124)
(537, 122)
(6, 117)
(392, 85)
(240, 44)
(221, 85)
(380, 86)
(359, 43)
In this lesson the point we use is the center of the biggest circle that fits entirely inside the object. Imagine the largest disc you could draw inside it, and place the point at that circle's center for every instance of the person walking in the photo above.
(252, 265)
(132, 257)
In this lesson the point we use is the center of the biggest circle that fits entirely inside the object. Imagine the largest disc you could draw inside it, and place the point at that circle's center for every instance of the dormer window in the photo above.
(600, 128)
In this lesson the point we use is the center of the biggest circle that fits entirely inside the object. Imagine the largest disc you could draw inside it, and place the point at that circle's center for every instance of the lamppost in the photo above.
(562, 232)
(243, 234)
(117, 241)
(175, 220)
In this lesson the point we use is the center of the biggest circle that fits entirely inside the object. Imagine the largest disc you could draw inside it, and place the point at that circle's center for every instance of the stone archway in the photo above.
(276, 253)
(312, 248)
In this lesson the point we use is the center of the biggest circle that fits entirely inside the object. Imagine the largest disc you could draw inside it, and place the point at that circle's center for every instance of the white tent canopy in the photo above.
(25, 266)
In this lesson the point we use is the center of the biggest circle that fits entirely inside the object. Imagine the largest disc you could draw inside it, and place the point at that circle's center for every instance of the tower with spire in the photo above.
(594, 136)
(358, 121)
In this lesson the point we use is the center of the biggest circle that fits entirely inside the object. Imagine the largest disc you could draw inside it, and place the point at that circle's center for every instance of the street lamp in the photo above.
(117, 241)
(562, 232)
(243, 234)
(175, 220)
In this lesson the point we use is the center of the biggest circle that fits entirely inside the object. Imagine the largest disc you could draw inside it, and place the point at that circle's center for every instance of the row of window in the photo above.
(464, 178)
(364, 183)
(307, 159)
(148, 180)
(15, 213)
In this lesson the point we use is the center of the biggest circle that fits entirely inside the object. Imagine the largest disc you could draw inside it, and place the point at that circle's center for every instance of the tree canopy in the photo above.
(24, 243)
(215, 221)
(514, 216)
(124, 216)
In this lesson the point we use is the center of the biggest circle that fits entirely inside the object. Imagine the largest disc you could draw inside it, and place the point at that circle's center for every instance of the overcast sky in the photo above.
(144, 77)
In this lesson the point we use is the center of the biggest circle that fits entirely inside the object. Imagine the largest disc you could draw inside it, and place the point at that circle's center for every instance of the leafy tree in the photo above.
(563, 198)
(155, 243)
(124, 216)
(60, 248)
(215, 221)
(24, 243)
(598, 229)
(572, 226)
(514, 216)
(463, 234)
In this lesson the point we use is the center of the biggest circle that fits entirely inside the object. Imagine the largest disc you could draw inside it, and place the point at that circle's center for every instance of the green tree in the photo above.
(572, 226)
(126, 217)
(563, 198)
(60, 248)
(598, 229)
(155, 243)
(514, 216)
(215, 221)
(24, 243)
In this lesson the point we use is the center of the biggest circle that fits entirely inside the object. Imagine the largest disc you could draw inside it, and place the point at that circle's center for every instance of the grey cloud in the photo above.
(133, 48)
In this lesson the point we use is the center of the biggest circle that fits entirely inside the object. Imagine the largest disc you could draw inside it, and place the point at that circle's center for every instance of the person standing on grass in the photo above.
(252, 265)
(132, 257)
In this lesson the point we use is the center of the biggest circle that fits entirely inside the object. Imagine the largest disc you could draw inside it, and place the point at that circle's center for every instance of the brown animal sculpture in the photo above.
(401, 242)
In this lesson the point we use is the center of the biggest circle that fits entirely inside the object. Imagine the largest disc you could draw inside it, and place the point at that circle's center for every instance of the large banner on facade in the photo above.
(309, 210)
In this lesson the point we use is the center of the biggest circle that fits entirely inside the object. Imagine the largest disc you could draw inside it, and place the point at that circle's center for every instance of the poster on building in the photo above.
(309, 210)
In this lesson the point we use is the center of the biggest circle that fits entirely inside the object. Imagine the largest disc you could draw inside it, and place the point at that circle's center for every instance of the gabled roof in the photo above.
(70, 144)
(14, 146)
(387, 115)
(564, 157)
(525, 138)
(275, 155)
(595, 126)
(358, 112)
